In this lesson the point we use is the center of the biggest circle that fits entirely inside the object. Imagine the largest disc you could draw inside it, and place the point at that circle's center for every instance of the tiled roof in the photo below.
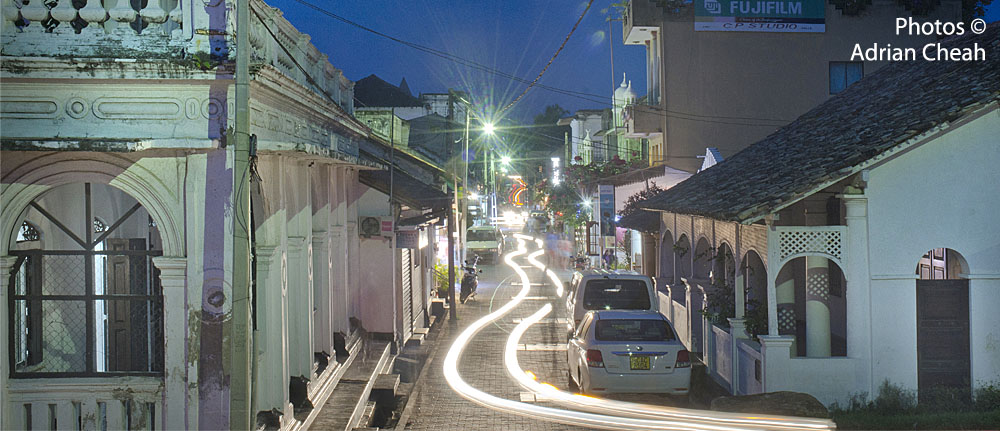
(893, 104)
(374, 91)
(642, 221)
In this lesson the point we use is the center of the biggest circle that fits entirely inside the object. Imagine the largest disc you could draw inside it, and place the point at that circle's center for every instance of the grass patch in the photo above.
(866, 420)
(936, 408)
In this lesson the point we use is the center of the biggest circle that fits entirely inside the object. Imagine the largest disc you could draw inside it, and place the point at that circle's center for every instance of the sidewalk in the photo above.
(437, 407)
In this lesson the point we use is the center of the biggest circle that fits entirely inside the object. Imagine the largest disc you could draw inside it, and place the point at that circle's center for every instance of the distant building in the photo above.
(728, 89)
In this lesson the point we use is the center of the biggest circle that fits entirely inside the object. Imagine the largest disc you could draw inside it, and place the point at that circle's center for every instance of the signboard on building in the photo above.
(606, 206)
(780, 16)
(408, 239)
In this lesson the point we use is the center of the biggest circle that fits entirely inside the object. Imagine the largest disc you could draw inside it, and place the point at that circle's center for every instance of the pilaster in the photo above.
(738, 330)
(178, 394)
(858, 289)
(776, 351)
(300, 307)
(6, 265)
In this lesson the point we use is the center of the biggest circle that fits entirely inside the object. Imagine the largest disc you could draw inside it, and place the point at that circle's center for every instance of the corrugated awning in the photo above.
(405, 189)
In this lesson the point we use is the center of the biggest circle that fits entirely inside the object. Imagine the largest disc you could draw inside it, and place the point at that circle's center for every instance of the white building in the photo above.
(863, 236)
(117, 225)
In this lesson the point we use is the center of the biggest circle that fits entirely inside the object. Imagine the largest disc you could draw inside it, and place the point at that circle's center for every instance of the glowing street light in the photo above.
(489, 128)
(505, 160)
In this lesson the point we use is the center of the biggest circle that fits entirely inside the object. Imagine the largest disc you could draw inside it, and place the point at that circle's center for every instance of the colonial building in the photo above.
(116, 231)
(852, 247)
(709, 86)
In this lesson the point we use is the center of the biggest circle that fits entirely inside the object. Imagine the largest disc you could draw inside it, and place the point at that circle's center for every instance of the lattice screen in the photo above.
(803, 241)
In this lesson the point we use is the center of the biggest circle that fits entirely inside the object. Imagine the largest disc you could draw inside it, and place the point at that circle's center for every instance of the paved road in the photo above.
(439, 408)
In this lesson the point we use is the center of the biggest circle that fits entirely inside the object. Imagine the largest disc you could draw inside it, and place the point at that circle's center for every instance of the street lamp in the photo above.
(488, 128)
(505, 160)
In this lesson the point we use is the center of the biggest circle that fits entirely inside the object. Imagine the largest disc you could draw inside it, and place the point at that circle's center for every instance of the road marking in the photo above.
(543, 347)
(562, 320)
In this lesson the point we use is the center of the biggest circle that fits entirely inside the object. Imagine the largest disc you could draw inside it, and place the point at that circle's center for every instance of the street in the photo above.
(540, 352)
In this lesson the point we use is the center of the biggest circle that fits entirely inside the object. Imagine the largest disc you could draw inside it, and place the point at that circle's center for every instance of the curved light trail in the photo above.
(700, 419)
(569, 417)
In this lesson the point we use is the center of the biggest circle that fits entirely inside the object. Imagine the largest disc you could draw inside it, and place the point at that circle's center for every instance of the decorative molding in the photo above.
(138, 108)
(895, 276)
(29, 107)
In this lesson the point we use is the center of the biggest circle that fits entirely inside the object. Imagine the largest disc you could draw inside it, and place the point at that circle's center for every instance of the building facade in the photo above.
(117, 221)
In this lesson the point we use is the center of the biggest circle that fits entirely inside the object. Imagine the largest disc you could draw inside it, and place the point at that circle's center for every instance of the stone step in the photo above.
(346, 407)
(385, 387)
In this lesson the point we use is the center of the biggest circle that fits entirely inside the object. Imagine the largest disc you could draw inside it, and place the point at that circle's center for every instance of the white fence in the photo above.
(750, 365)
(126, 403)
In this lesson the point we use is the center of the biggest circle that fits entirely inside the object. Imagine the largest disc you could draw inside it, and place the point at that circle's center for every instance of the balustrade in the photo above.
(128, 403)
(122, 17)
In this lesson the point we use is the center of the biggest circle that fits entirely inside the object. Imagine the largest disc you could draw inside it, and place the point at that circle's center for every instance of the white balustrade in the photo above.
(133, 403)
(37, 16)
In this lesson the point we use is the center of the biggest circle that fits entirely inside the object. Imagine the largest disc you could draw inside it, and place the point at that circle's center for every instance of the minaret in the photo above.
(619, 98)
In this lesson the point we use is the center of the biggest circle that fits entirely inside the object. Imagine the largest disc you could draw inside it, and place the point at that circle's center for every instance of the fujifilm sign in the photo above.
(766, 15)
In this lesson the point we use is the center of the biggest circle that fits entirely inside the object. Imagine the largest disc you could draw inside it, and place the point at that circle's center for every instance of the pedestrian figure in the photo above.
(608, 256)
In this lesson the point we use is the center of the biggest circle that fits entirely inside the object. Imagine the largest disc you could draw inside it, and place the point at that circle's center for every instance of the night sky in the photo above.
(514, 36)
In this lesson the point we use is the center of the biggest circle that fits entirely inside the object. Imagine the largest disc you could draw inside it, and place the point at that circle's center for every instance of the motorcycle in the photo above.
(470, 280)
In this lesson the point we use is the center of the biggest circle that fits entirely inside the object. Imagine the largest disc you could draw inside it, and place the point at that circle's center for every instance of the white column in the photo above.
(858, 289)
(6, 264)
(322, 262)
(817, 306)
(177, 393)
(300, 308)
(272, 365)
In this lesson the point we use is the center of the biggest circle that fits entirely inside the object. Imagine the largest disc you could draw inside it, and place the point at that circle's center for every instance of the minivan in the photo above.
(599, 289)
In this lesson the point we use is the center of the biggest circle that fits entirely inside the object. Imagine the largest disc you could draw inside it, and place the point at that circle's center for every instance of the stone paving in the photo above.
(437, 407)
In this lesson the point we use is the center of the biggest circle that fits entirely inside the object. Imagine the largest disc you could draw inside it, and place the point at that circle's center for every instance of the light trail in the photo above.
(556, 282)
(568, 417)
(694, 419)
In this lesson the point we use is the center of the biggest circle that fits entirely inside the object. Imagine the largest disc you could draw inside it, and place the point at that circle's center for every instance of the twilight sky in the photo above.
(514, 36)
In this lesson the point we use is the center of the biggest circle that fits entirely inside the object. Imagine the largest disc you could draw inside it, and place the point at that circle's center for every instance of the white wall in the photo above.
(940, 194)
(376, 271)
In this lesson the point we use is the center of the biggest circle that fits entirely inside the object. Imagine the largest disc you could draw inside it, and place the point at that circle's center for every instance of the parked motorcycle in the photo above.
(580, 262)
(470, 280)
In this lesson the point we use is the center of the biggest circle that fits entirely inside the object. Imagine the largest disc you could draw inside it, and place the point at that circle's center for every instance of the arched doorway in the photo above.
(703, 255)
(755, 288)
(810, 292)
(667, 258)
(943, 345)
(86, 299)
(682, 263)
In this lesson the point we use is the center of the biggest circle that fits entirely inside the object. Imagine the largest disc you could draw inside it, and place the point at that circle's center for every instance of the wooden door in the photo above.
(943, 334)
(119, 319)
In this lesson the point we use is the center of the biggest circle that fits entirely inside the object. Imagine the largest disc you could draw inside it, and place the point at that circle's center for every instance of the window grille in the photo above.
(93, 310)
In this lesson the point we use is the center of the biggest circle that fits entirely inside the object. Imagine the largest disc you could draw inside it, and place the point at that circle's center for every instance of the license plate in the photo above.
(638, 362)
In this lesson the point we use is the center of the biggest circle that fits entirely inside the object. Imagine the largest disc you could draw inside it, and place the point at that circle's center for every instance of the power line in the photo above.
(595, 98)
(571, 31)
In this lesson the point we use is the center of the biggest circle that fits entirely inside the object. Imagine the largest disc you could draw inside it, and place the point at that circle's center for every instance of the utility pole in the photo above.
(241, 404)
(453, 310)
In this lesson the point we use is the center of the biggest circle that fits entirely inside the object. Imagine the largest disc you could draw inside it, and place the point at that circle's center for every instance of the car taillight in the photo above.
(595, 359)
(683, 359)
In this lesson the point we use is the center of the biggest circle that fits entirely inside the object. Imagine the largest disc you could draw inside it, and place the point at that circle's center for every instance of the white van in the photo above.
(485, 242)
(599, 289)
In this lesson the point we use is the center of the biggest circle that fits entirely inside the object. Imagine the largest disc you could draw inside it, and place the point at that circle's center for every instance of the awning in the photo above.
(422, 219)
(642, 221)
(405, 189)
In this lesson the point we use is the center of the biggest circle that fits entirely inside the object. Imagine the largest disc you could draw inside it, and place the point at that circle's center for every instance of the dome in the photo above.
(621, 93)
(630, 95)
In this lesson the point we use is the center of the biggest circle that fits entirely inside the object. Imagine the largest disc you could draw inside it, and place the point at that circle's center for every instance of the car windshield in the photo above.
(608, 294)
(481, 235)
(633, 330)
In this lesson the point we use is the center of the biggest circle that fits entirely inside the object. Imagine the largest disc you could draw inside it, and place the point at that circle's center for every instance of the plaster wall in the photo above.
(928, 197)
(780, 75)
(377, 287)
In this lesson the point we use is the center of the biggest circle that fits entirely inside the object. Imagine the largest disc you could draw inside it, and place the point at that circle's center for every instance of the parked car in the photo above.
(484, 241)
(598, 289)
(617, 351)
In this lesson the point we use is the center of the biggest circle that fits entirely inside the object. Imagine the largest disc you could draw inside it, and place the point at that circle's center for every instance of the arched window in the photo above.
(89, 302)
(28, 233)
